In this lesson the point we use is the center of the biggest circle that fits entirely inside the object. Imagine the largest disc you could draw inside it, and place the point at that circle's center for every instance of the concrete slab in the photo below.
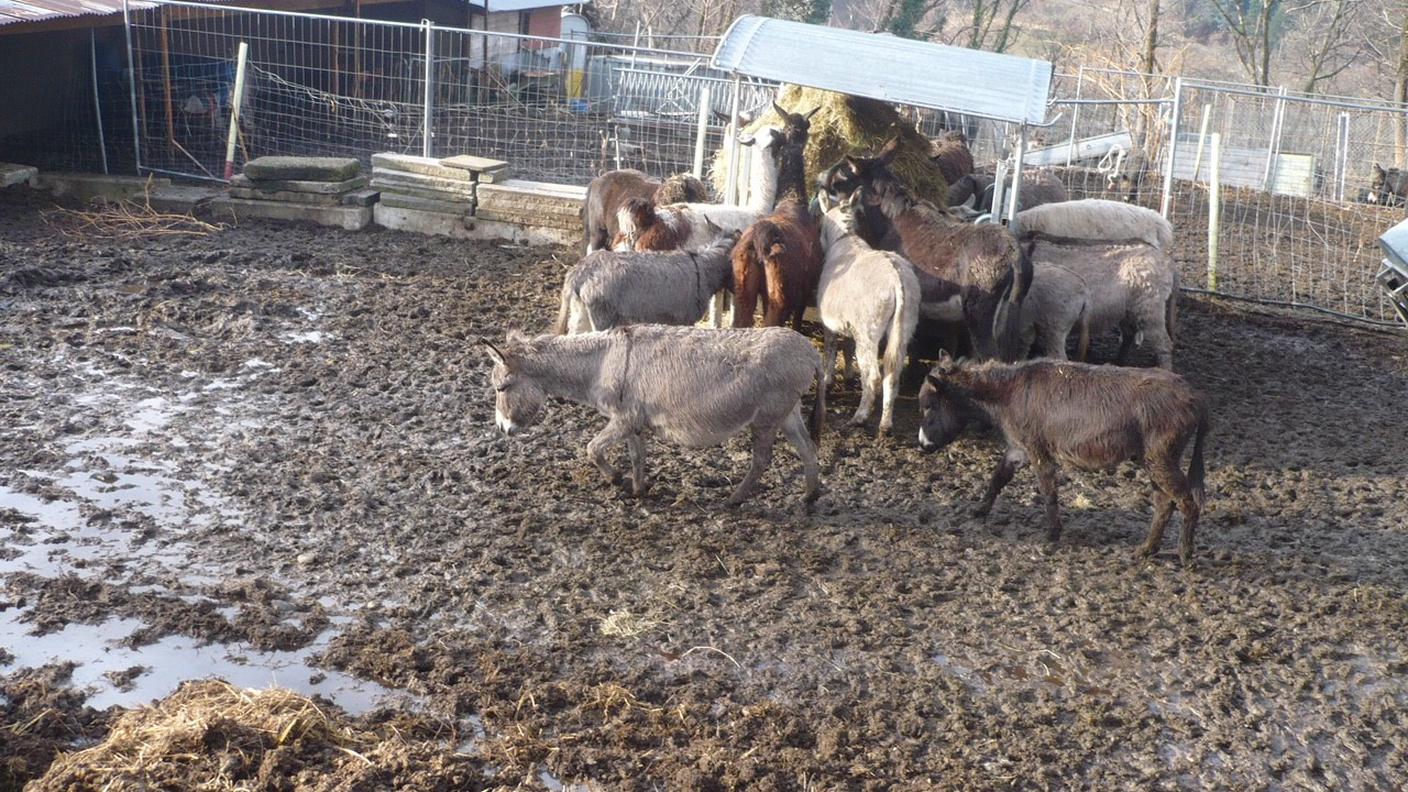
(299, 186)
(468, 227)
(387, 179)
(418, 192)
(558, 221)
(324, 169)
(483, 169)
(352, 218)
(364, 197)
(398, 201)
(11, 174)
(423, 166)
(182, 198)
(283, 196)
(88, 186)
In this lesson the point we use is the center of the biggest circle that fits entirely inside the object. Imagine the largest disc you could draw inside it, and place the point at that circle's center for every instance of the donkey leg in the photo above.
(867, 362)
(635, 445)
(828, 368)
(1047, 483)
(795, 429)
(1156, 333)
(1127, 336)
(887, 399)
(762, 457)
(616, 430)
(1001, 476)
(1171, 480)
(1163, 510)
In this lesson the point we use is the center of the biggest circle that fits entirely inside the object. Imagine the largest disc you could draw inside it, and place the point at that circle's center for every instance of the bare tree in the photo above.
(1251, 24)
(991, 24)
(1329, 38)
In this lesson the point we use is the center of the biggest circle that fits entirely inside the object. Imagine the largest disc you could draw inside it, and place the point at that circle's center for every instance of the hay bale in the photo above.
(210, 735)
(851, 125)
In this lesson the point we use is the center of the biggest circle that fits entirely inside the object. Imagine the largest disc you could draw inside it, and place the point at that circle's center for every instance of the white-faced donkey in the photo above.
(1057, 414)
(691, 386)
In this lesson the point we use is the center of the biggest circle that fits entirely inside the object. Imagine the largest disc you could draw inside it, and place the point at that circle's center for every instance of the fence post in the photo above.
(1214, 206)
(731, 186)
(132, 88)
(706, 99)
(1165, 203)
(1075, 114)
(427, 112)
(1273, 146)
(1343, 154)
(1202, 138)
(97, 102)
(1014, 200)
(235, 101)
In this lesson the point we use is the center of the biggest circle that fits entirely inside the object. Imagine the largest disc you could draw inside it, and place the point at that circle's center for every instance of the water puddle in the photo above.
(177, 658)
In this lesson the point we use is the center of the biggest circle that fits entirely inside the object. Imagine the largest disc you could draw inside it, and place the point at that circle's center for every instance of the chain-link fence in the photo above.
(1299, 206)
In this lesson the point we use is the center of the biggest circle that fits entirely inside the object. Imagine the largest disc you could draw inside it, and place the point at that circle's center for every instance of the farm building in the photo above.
(66, 65)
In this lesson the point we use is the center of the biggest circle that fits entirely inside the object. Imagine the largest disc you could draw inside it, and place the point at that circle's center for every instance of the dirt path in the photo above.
(277, 443)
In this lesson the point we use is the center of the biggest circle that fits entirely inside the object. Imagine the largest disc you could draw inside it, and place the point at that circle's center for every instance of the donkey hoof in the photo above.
(639, 490)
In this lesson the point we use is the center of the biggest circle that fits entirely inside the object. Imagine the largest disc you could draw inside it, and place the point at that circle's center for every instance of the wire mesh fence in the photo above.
(1300, 206)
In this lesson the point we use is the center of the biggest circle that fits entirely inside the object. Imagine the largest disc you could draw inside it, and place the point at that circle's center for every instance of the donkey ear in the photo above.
(823, 200)
(494, 353)
(813, 112)
(780, 111)
(1378, 169)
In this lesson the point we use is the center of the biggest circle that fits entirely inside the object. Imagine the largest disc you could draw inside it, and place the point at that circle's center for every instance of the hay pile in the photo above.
(851, 125)
(209, 735)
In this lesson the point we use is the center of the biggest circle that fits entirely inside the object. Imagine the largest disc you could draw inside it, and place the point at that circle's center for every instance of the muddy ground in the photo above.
(269, 454)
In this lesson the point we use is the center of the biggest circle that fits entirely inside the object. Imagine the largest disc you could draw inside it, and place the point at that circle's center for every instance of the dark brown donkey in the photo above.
(779, 257)
(1054, 414)
(978, 266)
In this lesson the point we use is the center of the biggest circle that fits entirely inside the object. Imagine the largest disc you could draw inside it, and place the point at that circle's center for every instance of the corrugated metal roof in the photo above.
(35, 10)
(893, 69)
(495, 6)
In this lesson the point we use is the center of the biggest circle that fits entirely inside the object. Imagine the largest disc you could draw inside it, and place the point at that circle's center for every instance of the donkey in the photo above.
(870, 296)
(608, 288)
(681, 226)
(950, 152)
(1388, 187)
(980, 267)
(609, 191)
(778, 259)
(692, 386)
(1054, 414)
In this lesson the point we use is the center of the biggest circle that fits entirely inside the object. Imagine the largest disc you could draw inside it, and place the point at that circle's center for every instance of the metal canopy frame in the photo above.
(988, 85)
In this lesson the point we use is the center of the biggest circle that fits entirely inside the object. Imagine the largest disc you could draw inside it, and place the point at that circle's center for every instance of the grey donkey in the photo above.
(691, 386)
(610, 288)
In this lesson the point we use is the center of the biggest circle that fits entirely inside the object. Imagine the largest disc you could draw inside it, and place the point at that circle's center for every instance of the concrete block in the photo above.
(423, 166)
(325, 169)
(459, 227)
(387, 179)
(399, 201)
(352, 218)
(417, 221)
(295, 185)
(530, 218)
(182, 198)
(88, 186)
(283, 196)
(11, 174)
(364, 197)
(484, 169)
(419, 192)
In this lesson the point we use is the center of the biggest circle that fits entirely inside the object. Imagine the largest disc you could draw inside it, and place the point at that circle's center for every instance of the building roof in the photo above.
(35, 10)
(496, 6)
(892, 69)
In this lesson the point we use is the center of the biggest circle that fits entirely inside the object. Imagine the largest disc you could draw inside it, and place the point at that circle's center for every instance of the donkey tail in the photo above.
(1083, 340)
(902, 321)
(1196, 471)
(565, 306)
(818, 416)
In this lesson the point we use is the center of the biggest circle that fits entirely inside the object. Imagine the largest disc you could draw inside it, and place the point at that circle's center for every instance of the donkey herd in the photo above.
(876, 263)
